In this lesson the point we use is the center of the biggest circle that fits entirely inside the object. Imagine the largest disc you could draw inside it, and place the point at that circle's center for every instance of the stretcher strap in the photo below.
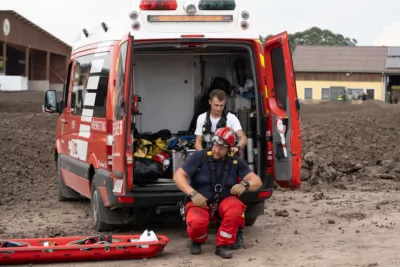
(13, 244)
(100, 239)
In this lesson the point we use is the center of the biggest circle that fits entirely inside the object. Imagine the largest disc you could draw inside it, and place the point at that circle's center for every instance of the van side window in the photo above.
(90, 85)
(119, 91)
(67, 84)
(278, 69)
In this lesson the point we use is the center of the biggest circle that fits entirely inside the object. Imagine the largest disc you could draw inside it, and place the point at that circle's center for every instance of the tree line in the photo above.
(316, 36)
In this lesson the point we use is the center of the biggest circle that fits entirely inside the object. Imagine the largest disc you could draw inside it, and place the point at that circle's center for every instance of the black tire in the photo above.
(250, 221)
(64, 193)
(97, 210)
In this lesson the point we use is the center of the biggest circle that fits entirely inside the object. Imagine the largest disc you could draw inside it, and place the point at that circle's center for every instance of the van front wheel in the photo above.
(64, 192)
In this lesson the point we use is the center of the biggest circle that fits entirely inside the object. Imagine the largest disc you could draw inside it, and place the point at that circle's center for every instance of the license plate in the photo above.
(118, 186)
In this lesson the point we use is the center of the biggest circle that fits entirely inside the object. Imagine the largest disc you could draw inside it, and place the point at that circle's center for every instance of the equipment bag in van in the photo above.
(146, 171)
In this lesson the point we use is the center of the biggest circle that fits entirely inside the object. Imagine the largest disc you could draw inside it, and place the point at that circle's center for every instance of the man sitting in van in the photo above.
(217, 117)
(214, 192)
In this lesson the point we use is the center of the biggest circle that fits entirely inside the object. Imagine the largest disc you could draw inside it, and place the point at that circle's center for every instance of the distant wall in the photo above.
(317, 86)
(13, 83)
(57, 86)
(38, 85)
(20, 83)
(44, 85)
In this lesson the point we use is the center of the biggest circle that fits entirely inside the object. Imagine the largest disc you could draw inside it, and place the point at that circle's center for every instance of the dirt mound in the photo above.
(347, 144)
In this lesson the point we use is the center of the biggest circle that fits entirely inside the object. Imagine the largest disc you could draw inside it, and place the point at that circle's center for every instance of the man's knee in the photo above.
(197, 229)
(197, 220)
(232, 208)
(198, 224)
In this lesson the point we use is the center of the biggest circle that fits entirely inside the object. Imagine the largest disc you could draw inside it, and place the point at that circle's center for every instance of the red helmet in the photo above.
(224, 137)
(163, 160)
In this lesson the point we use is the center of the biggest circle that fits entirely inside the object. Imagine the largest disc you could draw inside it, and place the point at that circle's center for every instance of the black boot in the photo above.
(195, 248)
(224, 252)
(239, 240)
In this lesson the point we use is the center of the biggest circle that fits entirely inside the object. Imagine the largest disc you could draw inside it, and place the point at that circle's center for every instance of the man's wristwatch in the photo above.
(245, 184)
(192, 194)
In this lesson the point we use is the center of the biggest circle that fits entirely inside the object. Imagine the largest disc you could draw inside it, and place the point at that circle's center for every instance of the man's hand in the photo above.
(238, 189)
(235, 149)
(199, 200)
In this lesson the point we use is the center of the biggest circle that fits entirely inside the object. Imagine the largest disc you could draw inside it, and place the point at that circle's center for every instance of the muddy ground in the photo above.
(345, 215)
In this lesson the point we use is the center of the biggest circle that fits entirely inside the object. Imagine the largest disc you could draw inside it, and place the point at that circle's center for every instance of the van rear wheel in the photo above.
(250, 221)
(99, 211)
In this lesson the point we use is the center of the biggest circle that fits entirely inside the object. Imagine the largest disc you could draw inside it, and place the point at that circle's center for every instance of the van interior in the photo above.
(171, 80)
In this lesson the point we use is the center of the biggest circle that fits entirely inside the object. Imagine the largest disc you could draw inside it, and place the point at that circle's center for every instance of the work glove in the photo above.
(199, 200)
(238, 189)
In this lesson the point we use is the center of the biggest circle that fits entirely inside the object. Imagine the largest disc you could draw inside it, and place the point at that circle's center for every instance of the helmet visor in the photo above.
(216, 140)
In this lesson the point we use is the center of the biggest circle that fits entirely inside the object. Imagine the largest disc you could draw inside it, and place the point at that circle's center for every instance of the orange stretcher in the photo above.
(79, 248)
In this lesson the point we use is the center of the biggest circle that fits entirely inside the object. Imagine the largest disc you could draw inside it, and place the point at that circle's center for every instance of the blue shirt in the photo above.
(201, 179)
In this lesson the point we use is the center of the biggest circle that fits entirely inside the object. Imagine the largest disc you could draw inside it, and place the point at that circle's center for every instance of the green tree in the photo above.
(317, 36)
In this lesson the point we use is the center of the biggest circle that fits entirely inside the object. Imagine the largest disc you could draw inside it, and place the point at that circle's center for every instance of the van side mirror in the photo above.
(50, 102)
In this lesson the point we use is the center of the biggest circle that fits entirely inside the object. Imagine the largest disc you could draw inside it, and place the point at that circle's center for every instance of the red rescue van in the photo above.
(146, 74)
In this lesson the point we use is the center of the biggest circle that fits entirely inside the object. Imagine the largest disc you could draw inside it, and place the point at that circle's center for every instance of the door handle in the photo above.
(64, 121)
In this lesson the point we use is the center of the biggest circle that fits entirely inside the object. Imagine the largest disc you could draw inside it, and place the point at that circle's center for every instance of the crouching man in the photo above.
(213, 191)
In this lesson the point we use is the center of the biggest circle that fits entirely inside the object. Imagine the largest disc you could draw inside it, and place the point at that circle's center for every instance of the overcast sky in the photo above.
(371, 22)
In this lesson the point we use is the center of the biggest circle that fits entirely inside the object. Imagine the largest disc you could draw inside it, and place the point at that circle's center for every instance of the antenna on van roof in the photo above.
(85, 32)
(104, 26)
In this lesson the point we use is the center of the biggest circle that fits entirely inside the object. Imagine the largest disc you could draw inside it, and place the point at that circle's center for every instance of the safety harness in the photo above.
(207, 127)
(230, 159)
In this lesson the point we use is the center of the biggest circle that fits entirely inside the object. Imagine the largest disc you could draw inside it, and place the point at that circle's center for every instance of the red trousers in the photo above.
(231, 211)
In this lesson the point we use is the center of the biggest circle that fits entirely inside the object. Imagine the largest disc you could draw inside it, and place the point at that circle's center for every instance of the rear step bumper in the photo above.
(167, 200)
(161, 197)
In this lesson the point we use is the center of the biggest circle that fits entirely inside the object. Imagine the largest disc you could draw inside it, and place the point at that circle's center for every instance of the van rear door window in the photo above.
(278, 69)
(119, 91)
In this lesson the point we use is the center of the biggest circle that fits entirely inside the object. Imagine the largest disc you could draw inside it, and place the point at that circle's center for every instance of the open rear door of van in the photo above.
(284, 111)
(121, 156)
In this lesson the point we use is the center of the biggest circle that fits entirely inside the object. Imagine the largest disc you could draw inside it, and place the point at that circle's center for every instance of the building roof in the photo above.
(362, 59)
(30, 23)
